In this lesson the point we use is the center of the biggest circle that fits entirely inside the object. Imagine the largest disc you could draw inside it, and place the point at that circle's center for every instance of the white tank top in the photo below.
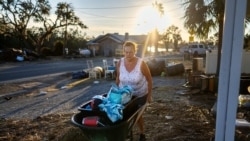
(135, 78)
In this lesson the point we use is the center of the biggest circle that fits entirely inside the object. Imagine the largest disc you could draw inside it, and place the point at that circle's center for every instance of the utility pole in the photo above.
(66, 32)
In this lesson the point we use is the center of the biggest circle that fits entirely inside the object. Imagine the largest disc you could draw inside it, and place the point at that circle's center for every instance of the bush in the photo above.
(58, 48)
(46, 51)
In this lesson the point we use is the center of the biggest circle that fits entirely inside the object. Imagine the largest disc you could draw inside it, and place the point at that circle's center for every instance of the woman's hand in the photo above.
(149, 98)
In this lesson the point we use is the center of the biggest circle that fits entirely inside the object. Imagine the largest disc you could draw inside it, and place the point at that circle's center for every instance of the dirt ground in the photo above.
(191, 120)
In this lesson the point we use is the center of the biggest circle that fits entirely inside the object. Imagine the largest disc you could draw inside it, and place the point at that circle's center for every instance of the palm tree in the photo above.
(201, 16)
(159, 7)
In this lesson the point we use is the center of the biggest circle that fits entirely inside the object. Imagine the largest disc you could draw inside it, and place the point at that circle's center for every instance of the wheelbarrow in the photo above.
(107, 131)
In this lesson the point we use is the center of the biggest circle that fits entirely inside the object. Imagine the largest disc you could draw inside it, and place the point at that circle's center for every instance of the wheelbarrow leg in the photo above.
(140, 112)
(131, 135)
(143, 107)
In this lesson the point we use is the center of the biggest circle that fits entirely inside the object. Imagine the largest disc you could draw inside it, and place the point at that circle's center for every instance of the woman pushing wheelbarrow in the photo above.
(133, 71)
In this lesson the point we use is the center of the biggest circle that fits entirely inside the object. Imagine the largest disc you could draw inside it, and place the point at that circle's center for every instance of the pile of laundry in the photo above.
(114, 103)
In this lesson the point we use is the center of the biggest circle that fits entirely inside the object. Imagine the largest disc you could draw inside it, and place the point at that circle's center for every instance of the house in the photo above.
(111, 44)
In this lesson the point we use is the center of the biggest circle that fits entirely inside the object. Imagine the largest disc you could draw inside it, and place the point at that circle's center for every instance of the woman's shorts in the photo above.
(141, 100)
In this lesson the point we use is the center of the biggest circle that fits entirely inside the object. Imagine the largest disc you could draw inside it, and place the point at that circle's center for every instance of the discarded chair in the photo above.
(109, 71)
(93, 73)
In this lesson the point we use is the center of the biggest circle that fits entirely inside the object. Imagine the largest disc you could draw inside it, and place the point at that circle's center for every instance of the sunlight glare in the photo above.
(149, 19)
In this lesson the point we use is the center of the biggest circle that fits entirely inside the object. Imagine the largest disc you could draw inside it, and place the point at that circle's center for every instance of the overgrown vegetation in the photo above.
(16, 15)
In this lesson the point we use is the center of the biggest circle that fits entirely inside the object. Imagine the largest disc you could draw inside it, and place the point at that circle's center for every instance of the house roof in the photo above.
(139, 39)
(119, 38)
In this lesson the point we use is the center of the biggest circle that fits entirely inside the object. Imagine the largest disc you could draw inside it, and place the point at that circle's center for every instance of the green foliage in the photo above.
(202, 16)
(172, 35)
(45, 51)
(8, 42)
(16, 15)
(58, 48)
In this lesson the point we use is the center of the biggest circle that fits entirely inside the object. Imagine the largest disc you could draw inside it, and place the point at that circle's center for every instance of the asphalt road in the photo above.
(65, 97)
(29, 69)
(49, 92)
(15, 71)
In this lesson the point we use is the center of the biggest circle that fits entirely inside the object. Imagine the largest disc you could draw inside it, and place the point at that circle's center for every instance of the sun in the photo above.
(149, 19)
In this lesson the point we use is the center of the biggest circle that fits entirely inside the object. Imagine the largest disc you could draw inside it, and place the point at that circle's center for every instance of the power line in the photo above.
(118, 18)
(95, 8)
(121, 7)
(110, 17)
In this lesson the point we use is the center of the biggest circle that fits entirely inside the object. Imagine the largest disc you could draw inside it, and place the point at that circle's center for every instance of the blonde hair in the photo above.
(131, 44)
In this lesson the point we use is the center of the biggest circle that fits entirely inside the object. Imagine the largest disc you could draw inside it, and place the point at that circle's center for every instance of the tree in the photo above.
(159, 7)
(172, 34)
(201, 16)
(77, 39)
(155, 33)
(16, 15)
(65, 17)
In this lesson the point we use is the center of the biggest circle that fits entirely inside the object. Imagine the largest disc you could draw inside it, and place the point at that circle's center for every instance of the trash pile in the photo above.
(13, 54)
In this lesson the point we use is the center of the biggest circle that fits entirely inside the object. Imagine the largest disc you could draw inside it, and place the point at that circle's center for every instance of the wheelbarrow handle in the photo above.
(142, 109)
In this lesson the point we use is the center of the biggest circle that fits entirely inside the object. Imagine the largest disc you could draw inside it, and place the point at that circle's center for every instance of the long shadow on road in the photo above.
(63, 95)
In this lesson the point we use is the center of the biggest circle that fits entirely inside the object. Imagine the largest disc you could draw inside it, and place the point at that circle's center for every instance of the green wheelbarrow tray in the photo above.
(117, 131)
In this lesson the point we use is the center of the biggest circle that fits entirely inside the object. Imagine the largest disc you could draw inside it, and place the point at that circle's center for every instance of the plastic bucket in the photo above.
(197, 64)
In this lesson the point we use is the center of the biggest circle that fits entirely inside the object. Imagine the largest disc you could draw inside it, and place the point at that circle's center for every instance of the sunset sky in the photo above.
(133, 16)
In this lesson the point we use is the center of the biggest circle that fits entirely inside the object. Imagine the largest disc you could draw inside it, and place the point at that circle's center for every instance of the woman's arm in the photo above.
(117, 80)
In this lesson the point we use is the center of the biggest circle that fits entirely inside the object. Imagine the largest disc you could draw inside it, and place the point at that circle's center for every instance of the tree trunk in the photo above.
(221, 25)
